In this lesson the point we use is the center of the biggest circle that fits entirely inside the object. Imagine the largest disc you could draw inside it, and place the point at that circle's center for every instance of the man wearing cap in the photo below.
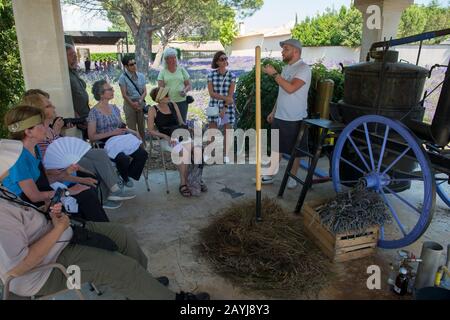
(291, 106)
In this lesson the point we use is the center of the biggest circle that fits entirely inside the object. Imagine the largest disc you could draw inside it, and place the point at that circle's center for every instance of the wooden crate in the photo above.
(342, 246)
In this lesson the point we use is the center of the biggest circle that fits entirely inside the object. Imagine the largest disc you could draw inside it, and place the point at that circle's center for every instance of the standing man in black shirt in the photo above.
(80, 97)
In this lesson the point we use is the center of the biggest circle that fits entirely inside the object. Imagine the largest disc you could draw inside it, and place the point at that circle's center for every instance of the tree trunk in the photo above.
(143, 41)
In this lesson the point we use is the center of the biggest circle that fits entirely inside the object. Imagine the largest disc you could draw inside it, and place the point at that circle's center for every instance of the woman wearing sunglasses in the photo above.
(221, 86)
(133, 87)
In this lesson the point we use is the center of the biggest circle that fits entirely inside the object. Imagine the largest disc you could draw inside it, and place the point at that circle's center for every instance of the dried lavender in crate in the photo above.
(354, 211)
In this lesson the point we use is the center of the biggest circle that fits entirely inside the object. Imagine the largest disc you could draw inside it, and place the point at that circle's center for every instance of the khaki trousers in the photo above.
(135, 119)
(124, 271)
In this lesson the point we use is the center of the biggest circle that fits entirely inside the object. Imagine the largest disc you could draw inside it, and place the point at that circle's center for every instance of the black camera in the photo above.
(74, 121)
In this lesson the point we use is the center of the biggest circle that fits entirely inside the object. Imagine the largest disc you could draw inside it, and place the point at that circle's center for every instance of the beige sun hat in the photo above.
(10, 151)
(162, 93)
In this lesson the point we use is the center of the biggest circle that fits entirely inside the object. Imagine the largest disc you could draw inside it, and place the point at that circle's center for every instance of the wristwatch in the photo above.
(67, 193)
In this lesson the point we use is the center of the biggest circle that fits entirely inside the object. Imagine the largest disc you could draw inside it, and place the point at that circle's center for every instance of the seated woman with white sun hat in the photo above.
(27, 178)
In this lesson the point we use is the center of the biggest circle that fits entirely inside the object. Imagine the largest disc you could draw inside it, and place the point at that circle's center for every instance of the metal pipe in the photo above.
(411, 39)
(420, 51)
(431, 257)
(325, 90)
(448, 257)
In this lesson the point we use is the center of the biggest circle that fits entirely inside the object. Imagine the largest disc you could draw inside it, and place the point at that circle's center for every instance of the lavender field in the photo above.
(199, 68)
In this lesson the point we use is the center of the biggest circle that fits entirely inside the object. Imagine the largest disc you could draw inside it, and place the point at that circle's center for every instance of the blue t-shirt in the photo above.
(26, 167)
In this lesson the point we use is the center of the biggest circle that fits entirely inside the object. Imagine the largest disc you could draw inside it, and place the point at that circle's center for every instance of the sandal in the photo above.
(203, 187)
(185, 191)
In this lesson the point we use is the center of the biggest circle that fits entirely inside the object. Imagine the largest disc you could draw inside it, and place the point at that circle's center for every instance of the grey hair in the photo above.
(69, 46)
(97, 89)
(169, 52)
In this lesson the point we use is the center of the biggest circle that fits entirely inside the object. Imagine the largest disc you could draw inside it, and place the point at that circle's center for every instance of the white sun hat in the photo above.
(10, 151)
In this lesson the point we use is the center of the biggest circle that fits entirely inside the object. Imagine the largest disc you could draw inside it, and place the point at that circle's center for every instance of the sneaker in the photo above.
(265, 180)
(129, 184)
(111, 205)
(191, 296)
(121, 195)
(122, 184)
(292, 184)
(163, 280)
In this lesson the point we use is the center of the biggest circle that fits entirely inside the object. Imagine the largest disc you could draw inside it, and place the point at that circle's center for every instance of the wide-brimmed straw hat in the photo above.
(162, 93)
(10, 151)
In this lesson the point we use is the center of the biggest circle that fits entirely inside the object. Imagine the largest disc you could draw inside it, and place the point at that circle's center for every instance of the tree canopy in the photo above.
(344, 27)
(170, 18)
(420, 18)
(11, 78)
(331, 28)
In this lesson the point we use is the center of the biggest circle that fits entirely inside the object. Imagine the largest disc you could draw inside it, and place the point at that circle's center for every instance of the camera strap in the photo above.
(12, 197)
(134, 84)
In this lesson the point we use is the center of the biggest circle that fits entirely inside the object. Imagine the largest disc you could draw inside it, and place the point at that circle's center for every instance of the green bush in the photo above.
(320, 72)
(245, 95)
(104, 56)
(11, 78)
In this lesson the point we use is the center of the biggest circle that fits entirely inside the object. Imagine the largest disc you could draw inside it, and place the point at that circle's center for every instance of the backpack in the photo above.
(194, 179)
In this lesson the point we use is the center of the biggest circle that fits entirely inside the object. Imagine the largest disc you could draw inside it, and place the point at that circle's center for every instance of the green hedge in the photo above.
(245, 95)
(116, 56)
(104, 56)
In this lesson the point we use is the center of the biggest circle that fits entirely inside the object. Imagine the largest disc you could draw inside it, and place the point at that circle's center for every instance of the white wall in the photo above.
(430, 55)
(330, 54)
(271, 46)
(245, 46)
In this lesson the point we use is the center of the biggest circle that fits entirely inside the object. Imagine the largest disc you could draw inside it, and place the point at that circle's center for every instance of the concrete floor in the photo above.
(167, 225)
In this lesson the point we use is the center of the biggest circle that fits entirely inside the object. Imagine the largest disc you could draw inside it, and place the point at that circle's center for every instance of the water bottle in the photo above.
(401, 283)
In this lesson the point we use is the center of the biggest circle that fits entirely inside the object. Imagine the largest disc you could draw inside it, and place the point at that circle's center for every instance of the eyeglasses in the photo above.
(223, 59)
(132, 64)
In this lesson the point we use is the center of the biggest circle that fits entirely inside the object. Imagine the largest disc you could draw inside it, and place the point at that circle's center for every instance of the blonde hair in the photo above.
(20, 113)
(34, 100)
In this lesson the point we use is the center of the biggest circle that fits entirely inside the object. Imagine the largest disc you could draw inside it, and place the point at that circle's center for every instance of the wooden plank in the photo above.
(310, 222)
(373, 238)
(329, 253)
(349, 234)
(355, 248)
(354, 255)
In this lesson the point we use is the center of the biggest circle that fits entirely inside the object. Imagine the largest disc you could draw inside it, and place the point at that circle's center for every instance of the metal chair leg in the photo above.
(164, 166)
(148, 148)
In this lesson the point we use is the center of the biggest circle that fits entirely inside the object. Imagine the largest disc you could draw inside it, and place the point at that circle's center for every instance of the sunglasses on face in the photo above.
(223, 59)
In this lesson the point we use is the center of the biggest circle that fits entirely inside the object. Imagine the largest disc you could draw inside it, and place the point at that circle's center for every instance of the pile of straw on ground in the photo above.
(273, 257)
